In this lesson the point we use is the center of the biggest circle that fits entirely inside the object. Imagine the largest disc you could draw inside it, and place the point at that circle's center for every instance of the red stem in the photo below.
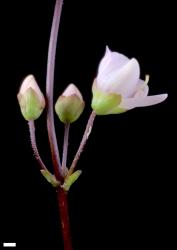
(61, 194)
(64, 216)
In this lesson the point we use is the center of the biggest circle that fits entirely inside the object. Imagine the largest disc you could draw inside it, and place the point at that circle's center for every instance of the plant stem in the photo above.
(83, 142)
(31, 125)
(50, 87)
(65, 147)
(63, 205)
(61, 194)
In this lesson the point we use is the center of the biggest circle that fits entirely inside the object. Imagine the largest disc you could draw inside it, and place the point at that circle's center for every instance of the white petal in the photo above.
(142, 89)
(122, 81)
(105, 61)
(111, 62)
(119, 59)
(30, 82)
(142, 92)
(72, 90)
(140, 84)
(130, 103)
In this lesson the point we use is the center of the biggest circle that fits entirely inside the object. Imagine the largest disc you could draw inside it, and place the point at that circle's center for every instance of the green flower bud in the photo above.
(31, 99)
(70, 105)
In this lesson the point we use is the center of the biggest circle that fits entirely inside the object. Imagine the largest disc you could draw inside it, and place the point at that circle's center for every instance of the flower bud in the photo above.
(31, 99)
(70, 104)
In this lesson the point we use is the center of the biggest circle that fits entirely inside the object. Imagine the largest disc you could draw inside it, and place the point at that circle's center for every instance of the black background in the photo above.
(125, 197)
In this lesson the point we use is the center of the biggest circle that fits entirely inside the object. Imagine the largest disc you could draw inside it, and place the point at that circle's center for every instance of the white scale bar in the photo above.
(8, 244)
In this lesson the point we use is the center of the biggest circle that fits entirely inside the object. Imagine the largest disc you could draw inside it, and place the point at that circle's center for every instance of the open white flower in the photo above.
(118, 87)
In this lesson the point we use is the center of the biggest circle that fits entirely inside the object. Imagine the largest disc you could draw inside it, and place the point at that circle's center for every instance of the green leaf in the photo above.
(50, 178)
(71, 179)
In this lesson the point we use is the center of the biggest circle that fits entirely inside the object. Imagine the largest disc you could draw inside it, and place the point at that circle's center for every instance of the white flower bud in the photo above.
(31, 99)
(70, 104)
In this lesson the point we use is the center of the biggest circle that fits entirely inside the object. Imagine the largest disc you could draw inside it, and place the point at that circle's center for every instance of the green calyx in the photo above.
(69, 108)
(117, 110)
(104, 103)
(30, 105)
